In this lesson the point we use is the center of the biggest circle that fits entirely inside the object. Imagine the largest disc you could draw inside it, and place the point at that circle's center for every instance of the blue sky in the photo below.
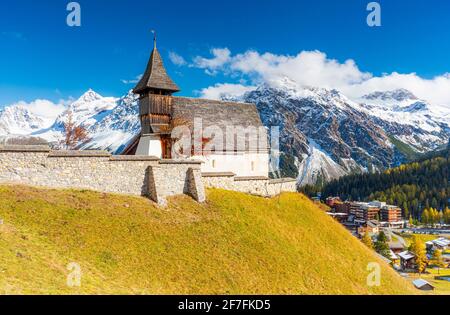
(41, 57)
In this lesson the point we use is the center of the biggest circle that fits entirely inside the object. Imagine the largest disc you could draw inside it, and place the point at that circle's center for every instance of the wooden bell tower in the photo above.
(155, 91)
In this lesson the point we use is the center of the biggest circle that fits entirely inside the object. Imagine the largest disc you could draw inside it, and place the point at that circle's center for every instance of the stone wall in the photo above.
(260, 186)
(98, 170)
(135, 175)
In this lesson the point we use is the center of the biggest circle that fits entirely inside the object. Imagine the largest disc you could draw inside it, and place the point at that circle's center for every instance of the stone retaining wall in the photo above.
(98, 170)
(135, 175)
(259, 186)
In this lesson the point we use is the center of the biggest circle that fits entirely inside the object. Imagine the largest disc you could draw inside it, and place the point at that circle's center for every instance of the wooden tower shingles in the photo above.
(155, 78)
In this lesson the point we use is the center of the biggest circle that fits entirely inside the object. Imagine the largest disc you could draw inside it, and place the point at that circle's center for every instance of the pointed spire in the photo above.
(155, 76)
(154, 39)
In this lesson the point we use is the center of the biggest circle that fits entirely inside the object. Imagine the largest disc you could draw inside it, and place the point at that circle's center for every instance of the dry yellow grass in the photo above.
(233, 244)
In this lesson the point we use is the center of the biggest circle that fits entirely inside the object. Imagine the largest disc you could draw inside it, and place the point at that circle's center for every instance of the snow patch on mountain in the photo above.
(87, 111)
(332, 135)
(117, 127)
(318, 166)
(422, 125)
(24, 118)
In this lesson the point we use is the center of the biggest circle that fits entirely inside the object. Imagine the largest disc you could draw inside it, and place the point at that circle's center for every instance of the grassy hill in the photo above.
(235, 243)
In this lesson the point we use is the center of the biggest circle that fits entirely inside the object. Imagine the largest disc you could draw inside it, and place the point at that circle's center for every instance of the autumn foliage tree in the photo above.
(437, 259)
(417, 247)
(446, 216)
(367, 240)
(73, 135)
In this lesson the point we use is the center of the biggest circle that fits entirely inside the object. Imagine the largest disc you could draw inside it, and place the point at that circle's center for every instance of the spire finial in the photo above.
(154, 38)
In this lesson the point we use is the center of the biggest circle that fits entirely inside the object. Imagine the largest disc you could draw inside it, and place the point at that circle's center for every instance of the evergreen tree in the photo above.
(413, 187)
(382, 246)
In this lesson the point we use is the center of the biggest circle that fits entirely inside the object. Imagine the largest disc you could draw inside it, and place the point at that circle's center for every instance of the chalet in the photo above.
(228, 137)
(423, 285)
(372, 227)
(395, 259)
(407, 260)
(441, 244)
(396, 247)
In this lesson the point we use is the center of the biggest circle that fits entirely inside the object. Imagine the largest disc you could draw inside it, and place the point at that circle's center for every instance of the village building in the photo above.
(389, 216)
(227, 137)
(438, 244)
(392, 215)
(364, 211)
(342, 207)
(394, 258)
(423, 285)
(340, 217)
(333, 201)
(407, 260)
(397, 247)
(371, 227)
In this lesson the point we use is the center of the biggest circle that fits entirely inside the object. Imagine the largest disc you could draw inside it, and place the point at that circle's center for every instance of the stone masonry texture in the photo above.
(142, 176)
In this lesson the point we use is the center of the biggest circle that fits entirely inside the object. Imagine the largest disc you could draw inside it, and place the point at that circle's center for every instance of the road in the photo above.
(389, 232)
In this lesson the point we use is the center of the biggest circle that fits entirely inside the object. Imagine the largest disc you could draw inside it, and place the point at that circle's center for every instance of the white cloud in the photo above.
(314, 68)
(177, 59)
(225, 90)
(132, 81)
(222, 56)
(45, 109)
(435, 90)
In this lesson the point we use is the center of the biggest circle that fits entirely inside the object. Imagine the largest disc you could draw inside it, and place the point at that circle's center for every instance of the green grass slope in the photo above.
(233, 244)
(407, 150)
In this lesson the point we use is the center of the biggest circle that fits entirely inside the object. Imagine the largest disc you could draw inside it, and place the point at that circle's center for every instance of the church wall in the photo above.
(241, 164)
(133, 175)
(150, 145)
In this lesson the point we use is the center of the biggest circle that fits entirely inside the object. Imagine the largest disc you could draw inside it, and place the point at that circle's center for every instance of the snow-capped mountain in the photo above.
(413, 121)
(86, 111)
(324, 135)
(116, 127)
(19, 120)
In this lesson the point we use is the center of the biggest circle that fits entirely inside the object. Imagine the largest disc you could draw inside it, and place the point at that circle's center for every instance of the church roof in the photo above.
(221, 114)
(155, 76)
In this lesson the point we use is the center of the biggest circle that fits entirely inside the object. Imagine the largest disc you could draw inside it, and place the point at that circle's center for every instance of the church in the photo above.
(227, 137)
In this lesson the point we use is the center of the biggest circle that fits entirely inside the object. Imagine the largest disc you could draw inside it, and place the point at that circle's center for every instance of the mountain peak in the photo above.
(398, 95)
(89, 96)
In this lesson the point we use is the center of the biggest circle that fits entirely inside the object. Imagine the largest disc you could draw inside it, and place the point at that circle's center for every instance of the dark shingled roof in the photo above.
(155, 76)
(216, 113)
(221, 114)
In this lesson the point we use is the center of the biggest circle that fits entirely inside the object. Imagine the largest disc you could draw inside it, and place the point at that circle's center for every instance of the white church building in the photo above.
(228, 137)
